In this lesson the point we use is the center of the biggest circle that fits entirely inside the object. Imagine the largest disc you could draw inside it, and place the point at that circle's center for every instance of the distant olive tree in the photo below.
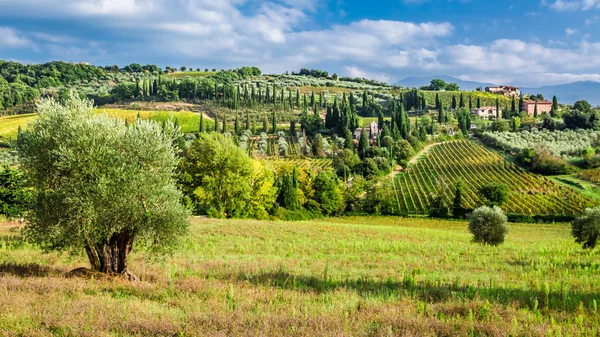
(488, 225)
(100, 186)
(586, 229)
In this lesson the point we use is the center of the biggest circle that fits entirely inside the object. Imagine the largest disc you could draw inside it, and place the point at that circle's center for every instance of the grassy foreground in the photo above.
(335, 277)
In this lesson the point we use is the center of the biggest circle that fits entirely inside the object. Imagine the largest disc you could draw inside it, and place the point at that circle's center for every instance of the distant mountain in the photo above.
(566, 93)
(570, 93)
(416, 82)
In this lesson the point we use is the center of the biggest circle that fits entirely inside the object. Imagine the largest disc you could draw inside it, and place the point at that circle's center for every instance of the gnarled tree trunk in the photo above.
(111, 256)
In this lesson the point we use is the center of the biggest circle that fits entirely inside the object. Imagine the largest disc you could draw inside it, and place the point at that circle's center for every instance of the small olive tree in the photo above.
(101, 186)
(586, 229)
(488, 225)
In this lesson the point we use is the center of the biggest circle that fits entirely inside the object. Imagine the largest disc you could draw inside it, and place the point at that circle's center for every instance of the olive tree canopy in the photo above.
(101, 186)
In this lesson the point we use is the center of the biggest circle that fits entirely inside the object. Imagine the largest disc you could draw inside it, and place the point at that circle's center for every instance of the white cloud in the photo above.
(571, 31)
(10, 38)
(572, 5)
(353, 71)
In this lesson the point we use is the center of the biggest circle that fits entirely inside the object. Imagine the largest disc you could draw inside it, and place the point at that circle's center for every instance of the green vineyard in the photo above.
(466, 161)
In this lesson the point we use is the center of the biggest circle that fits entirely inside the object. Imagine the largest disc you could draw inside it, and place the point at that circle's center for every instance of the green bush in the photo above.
(495, 193)
(488, 225)
(586, 229)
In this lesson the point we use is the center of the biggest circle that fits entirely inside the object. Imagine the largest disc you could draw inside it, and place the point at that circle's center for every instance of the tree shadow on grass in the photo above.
(428, 291)
(27, 270)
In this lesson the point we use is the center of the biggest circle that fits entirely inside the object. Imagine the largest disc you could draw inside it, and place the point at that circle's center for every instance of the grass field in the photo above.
(474, 165)
(9, 125)
(335, 277)
(189, 121)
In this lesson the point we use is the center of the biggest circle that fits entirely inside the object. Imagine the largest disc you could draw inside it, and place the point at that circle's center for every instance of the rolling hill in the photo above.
(566, 93)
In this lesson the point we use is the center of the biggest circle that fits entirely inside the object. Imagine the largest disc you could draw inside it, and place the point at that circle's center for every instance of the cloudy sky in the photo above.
(522, 42)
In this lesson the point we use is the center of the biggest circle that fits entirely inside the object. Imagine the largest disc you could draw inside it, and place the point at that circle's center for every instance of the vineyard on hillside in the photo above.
(590, 175)
(450, 162)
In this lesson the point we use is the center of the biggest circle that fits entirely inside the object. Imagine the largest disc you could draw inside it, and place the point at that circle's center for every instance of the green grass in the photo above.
(588, 188)
(333, 277)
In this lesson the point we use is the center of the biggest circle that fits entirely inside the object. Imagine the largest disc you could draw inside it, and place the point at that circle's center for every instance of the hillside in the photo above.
(570, 93)
(416, 82)
(566, 93)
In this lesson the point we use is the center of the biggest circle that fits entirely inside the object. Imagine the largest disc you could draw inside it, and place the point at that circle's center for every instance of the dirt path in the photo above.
(421, 154)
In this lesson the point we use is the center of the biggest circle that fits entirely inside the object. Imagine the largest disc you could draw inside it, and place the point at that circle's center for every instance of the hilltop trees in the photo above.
(101, 186)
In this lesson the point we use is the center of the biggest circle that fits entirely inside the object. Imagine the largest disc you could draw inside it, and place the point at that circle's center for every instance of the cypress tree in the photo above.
(470, 103)
(380, 120)
(274, 123)
(453, 102)
(521, 103)
(216, 123)
(363, 144)
(349, 140)
(462, 101)
(201, 128)
(457, 208)
(237, 124)
(247, 120)
(312, 99)
(555, 103)
(364, 102)
(293, 127)
(305, 102)
(513, 105)
(265, 123)
(437, 101)
(441, 113)
(497, 109)
(535, 110)
(478, 102)
(321, 100)
(224, 124)
(298, 98)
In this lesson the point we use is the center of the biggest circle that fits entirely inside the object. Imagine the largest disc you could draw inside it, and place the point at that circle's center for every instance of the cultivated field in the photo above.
(337, 277)
(465, 161)
(189, 121)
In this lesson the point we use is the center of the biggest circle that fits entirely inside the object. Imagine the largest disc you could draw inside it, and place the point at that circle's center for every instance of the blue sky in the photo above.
(522, 42)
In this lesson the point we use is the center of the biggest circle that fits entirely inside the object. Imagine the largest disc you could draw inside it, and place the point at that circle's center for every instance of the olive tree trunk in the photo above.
(111, 256)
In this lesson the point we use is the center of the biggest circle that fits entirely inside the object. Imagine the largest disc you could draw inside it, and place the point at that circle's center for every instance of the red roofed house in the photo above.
(543, 107)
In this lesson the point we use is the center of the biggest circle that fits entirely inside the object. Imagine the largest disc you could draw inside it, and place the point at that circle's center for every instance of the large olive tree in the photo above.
(101, 186)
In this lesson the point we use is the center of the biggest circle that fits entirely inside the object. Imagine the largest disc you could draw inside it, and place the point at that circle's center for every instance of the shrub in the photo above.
(547, 164)
(495, 193)
(586, 229)
(488, 225)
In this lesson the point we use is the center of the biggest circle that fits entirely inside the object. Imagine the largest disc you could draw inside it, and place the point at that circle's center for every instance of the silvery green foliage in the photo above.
(8, 157)
(245, 139)
(586, 229)
(560, 143)
(94, 178)
(338, 142)
(326, 146)
(282, 144)
(304, 146)
(263, 143)
(488, 225)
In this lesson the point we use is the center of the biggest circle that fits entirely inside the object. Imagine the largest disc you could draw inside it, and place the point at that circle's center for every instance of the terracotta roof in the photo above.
(538, 102)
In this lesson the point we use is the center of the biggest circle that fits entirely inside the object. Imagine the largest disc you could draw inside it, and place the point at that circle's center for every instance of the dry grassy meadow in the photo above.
(336, 277)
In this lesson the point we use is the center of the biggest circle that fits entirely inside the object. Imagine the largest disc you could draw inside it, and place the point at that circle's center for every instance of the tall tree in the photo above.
(535, 110)
(363, 144)
(201, 128)
(497, 109)
(478, 102)
(105, 199)
(462, 101)
(274, 122)
(513, 107)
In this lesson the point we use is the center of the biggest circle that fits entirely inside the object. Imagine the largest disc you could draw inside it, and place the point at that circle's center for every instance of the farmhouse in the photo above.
(543, 107)
(371, 131)
(485, 111)
(505, 90)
